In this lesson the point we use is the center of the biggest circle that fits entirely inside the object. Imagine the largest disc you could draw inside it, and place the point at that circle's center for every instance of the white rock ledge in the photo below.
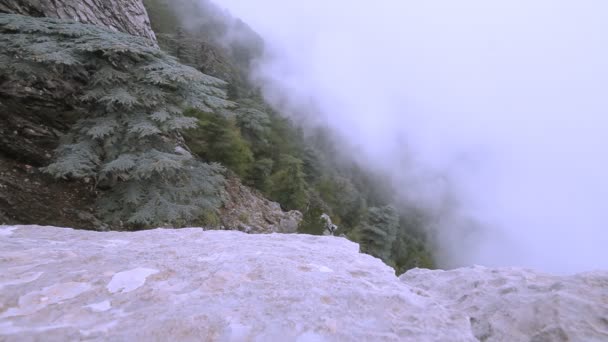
(192, 285)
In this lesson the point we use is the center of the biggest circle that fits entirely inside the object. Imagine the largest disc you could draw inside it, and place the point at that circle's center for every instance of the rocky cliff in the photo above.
(195, 285)
(248, 211)
(127, 16)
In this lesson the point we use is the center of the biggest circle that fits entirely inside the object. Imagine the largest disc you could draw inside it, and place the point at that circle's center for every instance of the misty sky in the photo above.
(507, 99)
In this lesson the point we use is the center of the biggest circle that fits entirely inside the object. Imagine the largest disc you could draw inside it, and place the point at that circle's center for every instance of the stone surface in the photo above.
(512, 304)
(193, 285)
(127, 16)
(246, 210)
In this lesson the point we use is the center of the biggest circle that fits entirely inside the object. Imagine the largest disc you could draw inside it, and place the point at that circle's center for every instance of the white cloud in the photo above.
(509, 99)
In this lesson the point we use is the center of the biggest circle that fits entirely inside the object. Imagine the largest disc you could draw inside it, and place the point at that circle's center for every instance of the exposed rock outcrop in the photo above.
(512, 304)
(127, 16)
(196, 285)
(248, 211)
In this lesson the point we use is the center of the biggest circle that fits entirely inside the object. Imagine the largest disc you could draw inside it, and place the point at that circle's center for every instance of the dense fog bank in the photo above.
(491, 114)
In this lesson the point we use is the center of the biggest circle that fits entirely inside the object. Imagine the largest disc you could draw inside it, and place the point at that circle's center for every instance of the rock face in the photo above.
(248, 211)
(127, 16)
(521, 305)
(194, 285)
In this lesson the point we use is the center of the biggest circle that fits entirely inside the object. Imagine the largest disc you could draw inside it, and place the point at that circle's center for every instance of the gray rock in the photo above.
(127, 16)
(194, 285)
(246, 210)
(512, 304)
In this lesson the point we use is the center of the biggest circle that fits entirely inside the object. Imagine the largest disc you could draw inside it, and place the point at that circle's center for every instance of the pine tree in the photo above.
(410, 252)
(218, 139)
(131, 97)
(347, 203)
(311, 220)
(410, 249)
(379, 231)
(254, 123)
(289, 184)
(259, 175)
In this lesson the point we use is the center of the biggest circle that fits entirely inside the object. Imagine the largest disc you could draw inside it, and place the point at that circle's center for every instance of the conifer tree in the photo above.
(259, 175)
(379, 231)
(254, 124)
(131, 97)
(410, 252)
(218, 139)
(289, 184)
(311, 220)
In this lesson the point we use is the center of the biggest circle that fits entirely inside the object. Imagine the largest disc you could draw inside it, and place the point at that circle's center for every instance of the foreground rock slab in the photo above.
(511, 304)
(194, 285)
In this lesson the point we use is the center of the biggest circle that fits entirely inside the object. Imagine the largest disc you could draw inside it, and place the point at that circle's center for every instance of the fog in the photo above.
(500, 109)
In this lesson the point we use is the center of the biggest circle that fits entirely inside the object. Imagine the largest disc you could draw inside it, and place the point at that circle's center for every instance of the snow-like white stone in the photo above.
(325, 269)
(99, 329)
(200, 285)
(34, 301)
(100, 307)
(115, 243)
(7, 231)
(130, 280)
(512, 304)
(19, 279)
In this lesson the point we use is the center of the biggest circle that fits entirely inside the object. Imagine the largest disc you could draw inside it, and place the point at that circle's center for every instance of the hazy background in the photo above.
(488, 112)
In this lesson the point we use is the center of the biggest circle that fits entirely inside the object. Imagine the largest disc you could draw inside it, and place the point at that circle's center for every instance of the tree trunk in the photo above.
(127, 16)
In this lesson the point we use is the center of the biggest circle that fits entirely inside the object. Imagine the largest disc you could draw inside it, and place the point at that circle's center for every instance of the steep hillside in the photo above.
(39, 108)
(202, 35)
(136, 136)
(301, 168)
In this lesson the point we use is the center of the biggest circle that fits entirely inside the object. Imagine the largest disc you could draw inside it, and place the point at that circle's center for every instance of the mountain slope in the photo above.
(113, 118)
(36, 112)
